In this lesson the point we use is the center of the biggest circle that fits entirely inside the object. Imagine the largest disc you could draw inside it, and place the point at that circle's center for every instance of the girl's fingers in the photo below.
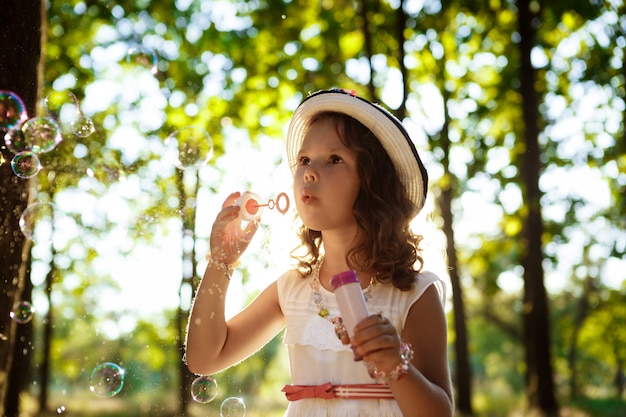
(231, 199)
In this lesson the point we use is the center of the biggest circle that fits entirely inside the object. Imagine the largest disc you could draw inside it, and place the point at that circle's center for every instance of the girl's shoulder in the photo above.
(387, 294)
(292, 282)
(423, 281)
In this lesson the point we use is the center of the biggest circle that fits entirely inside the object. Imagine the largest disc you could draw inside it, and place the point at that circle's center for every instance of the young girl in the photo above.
(358, 182)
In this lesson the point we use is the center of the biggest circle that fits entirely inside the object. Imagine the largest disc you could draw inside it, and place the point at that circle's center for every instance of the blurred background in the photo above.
(125, 124)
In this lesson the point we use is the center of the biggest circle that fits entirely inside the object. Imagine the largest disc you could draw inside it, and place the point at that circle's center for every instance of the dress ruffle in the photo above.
(312, 330)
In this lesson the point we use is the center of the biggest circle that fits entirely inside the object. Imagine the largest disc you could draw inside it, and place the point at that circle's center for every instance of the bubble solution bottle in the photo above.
(350, 300)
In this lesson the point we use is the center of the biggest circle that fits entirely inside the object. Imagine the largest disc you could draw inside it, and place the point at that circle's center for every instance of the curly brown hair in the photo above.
(382, 211)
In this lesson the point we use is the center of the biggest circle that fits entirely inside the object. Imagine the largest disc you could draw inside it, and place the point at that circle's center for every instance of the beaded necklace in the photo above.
(318, 299)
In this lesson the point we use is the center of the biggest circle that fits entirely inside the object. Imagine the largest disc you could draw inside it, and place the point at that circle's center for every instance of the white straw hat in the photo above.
(387, 128)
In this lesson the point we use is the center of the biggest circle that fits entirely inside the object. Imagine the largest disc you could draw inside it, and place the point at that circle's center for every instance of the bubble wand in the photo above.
(252, 205)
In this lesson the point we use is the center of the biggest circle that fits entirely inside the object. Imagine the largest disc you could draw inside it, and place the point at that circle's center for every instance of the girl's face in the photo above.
(326, 182)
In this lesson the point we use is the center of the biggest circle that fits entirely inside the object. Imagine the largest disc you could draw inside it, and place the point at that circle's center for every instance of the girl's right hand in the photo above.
(228, 239)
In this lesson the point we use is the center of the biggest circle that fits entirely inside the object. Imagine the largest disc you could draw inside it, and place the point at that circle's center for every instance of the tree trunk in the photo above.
(369, 50)
(539, 374)
(23, 25)
(401, 19)
(47, 341)
(21, 373)
(463, 377)
(188, 223)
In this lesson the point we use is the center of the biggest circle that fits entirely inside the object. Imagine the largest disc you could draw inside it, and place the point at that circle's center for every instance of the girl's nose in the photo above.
(310, 174)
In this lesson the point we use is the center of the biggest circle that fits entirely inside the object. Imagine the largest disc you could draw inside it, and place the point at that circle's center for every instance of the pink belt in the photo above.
(328, 391)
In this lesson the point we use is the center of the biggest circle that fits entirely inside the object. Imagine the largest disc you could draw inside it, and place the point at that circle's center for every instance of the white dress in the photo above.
(317, 356)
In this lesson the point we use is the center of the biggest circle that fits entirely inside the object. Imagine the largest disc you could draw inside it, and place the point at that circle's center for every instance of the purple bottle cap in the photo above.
(343, 278)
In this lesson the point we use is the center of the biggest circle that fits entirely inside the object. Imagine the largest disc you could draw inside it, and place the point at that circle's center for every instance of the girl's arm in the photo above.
(212, 343)
(428, 384)
(426, 391)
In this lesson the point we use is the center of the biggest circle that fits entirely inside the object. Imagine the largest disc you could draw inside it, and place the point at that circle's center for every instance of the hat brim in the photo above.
(386, 127)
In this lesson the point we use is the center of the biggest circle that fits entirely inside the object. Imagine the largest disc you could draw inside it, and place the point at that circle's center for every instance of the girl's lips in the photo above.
(307, 197)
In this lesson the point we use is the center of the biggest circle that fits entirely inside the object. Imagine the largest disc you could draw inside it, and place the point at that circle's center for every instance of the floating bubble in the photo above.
(233, 407)
(62, 106)
(107, 379)
(143, 57)
(83, 126)
(189, 147)
(25, 164)
(12, 110)
(22, 312)
(14, 140)
(204, 389)
(61, 409)
(41, 134)
(37, 221)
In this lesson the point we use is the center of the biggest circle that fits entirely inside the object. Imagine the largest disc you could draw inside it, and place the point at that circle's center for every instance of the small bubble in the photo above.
(107, 380)
(83, 126)
(22, 312)
(189, 148)
(233, 407)
(38, 220)
(63, 107)
(12, 110)
(15, 140)
(61, 409)
(25, 164)
(41, 134)
(204, 389)
(143, 57)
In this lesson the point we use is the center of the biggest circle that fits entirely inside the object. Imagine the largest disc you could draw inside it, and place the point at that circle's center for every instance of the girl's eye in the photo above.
(335, 159)
(303, 161)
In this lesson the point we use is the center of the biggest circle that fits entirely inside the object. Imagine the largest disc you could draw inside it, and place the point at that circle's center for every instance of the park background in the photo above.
(517, 108)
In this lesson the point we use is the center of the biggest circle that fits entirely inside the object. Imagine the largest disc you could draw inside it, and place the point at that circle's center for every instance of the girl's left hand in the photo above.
(377, 341)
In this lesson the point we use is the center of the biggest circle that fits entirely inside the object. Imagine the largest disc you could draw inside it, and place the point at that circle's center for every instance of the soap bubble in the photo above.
(107, 380)
(64, 108)
(12, 110)
(233, 407)
(83, 126)
(22, 312)
(189, 147)
(37, 221)
(204, 389)
(25, 164)
(41, 134)
(15, 140)
(141, 56)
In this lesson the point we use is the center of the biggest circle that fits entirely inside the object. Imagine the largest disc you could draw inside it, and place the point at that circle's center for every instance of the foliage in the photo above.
(239, 67)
